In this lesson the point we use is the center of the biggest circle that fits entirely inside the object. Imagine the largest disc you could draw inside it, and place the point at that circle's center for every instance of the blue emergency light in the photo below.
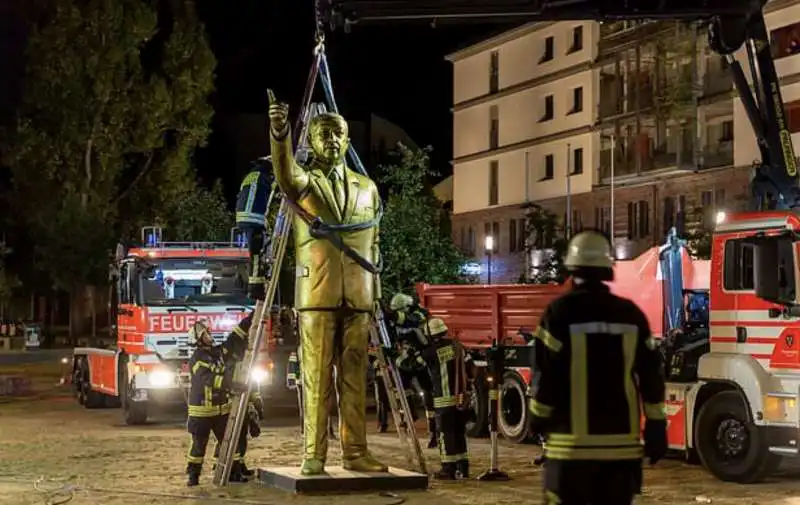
(151, 236)
(239, 237)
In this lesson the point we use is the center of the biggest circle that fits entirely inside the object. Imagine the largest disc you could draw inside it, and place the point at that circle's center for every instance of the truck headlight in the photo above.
(259, 375)
(161, 378)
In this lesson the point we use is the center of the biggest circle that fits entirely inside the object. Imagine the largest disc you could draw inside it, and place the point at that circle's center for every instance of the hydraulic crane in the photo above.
(732, 24)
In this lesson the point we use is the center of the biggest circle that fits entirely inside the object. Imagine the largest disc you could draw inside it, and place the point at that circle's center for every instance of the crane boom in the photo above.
(732, 24)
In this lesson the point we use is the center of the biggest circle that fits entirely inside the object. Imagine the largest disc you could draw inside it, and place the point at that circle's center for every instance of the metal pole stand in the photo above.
(496, 365)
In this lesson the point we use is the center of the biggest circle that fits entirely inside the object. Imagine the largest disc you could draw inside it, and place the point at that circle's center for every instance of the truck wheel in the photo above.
(513, 416)
(88, 397)
(729, 445)
(478, 425)
(133, 413)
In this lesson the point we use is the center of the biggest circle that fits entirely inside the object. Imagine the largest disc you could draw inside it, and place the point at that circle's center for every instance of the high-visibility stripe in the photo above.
(548, 339)
(655, 411)
(593, 453)
(539, 409)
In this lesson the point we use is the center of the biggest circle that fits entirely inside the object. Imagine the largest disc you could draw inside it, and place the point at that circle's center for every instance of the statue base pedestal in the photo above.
(338, 480)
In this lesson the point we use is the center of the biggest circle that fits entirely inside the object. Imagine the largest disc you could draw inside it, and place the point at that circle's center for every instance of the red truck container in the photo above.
(476, 314)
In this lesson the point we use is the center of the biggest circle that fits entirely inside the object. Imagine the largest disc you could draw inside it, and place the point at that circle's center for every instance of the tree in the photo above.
(414, 241)
(8, 281)
(699, 228)
(114, 105)
(546, 243)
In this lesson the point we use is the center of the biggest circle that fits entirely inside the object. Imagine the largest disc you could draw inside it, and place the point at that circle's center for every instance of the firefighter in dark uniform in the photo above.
(594, 359)
(294, 381)
(209, 393)
(381, 397)
(446, 363)
(408, 319)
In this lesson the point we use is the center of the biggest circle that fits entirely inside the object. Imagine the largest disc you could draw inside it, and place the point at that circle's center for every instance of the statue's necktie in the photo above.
(337, 186)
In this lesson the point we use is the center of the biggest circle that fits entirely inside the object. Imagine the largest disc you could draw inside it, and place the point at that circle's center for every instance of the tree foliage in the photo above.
(545, 245)
(8, 281)
(114, 105)
(414, 234)
(698, 234)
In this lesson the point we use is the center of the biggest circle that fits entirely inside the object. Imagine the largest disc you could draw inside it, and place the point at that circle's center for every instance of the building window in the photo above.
(680, 216)
(644, 218)
(548, 113)
(793, 116)
(494, 127)
(549, 168)
(785, 41)
(522, 235)
(547, 55)
(577, 100)
(602, 220)
(494, 72)
(738, 266)
(669, 214)
(513, 241)
(727, 131)
(494, 182)
(631, 221)
(471, 241)
(577, 221)
(577, 161)
(577, 40)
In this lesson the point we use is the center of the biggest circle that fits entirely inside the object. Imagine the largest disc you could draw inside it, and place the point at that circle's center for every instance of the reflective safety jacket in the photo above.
(594, 359)
(212, 373)
(410, 326)
(448, 380)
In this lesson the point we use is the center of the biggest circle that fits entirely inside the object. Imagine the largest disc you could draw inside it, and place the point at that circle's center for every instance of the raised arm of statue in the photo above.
(290, 176)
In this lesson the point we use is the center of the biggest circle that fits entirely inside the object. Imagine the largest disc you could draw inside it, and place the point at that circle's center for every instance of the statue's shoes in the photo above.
(364, 464)
(312, 467)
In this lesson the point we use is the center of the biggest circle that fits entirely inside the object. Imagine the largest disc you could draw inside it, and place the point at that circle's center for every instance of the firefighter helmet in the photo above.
(589, 249)
(436, 327)
(200, 329)
(400, 301)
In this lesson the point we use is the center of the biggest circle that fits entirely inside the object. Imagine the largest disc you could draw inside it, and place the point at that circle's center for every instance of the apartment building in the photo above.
(549, 99)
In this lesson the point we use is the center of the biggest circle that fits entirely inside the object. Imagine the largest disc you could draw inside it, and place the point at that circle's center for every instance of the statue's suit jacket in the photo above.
(326, 277)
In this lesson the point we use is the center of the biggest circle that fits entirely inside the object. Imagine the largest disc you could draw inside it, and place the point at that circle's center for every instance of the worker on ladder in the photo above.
(445, 360)
(211, 384)
(594, 359)
(408, 319)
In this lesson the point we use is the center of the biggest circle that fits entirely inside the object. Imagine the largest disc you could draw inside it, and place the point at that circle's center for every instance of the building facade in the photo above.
(537, 110)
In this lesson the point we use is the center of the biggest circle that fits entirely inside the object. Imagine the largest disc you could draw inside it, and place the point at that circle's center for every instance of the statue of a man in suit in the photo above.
(334, 296)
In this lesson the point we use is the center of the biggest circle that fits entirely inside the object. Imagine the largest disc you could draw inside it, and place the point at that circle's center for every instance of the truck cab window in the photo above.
(738, 266)
(123, 284)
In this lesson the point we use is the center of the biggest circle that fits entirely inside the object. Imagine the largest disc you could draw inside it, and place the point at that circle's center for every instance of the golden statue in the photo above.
(335, 296)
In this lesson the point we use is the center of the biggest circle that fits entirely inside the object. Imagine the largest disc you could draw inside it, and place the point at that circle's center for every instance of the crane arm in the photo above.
(733, 24)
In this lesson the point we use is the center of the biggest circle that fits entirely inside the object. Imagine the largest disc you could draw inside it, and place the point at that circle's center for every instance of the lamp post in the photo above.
(489, 247)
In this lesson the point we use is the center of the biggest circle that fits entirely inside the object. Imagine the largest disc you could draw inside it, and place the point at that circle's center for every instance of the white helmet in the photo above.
(196, 333)
(401, 301)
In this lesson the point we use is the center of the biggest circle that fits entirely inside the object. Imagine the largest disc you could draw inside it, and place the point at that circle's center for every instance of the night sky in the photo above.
(397, 71)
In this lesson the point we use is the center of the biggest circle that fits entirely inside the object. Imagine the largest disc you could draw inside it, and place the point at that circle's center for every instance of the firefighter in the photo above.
(445, 360)
(408, 319)
(381, 397)
(209, 392)
(294, 380)
(594, 359)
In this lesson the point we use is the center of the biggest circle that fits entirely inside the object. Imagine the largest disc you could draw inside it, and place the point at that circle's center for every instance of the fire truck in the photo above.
(734, 404)
(158, 291)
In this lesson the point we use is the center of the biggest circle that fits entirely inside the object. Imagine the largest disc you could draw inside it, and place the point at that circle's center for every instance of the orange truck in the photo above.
(734, 377)
(159, 290)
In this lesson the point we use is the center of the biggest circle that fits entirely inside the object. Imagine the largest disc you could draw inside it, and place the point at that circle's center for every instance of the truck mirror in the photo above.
(773, 270)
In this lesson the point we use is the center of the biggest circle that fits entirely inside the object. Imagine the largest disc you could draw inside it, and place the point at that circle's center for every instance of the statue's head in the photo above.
(328, 137)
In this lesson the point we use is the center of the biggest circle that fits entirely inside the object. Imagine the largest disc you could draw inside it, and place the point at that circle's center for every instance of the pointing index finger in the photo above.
(271, 96)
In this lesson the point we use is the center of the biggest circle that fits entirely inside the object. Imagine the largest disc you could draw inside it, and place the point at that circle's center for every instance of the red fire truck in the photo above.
(159, 290)
(734, 372)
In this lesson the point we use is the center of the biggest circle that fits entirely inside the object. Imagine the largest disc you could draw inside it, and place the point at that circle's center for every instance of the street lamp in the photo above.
(488, 244)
